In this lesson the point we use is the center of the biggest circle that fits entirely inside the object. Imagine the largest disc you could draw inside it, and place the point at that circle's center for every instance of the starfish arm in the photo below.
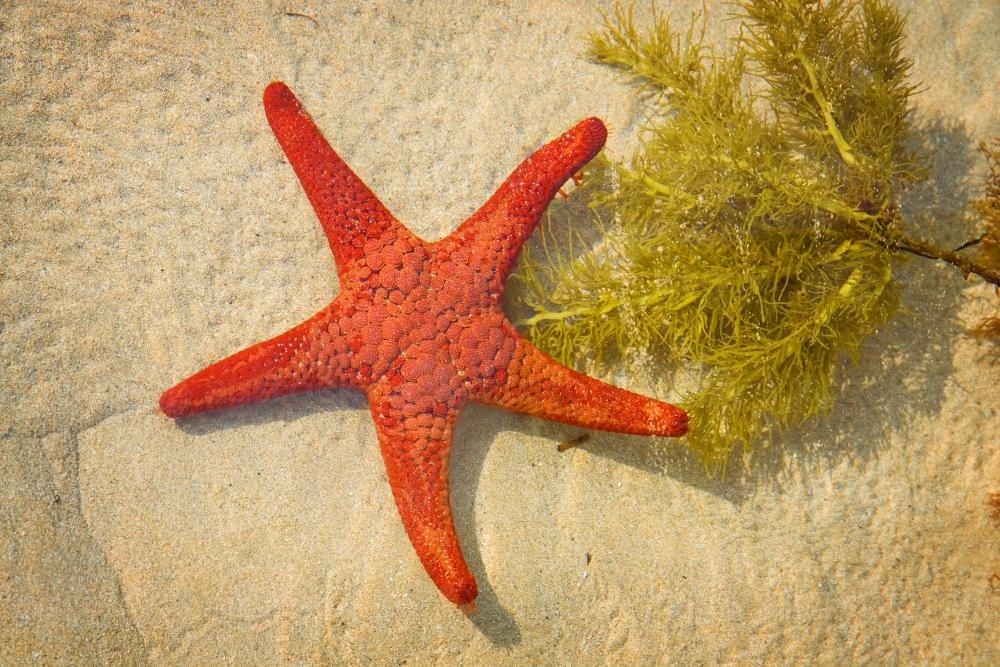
(282, 365)
(349, 212)
(501, 226)
(538, 385)
(415, 448)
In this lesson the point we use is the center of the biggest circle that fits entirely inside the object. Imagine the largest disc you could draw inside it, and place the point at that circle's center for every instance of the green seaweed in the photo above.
(987, 246)
(750, 243)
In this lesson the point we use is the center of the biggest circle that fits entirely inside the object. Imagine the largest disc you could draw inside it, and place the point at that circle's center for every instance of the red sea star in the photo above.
(418, 327)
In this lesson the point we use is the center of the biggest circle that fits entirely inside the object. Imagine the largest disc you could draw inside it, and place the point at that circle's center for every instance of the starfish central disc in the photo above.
(418, 328)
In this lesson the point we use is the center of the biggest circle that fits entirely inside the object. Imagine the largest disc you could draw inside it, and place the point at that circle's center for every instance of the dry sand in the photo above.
(151, 225)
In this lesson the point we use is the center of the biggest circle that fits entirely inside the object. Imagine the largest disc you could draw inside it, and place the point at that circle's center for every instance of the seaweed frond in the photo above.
(988, 245)
(752, 238)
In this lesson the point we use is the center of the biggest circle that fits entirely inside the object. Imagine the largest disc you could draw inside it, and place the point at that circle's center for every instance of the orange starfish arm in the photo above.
(415, 448)
(282, 365)
(500, 227)
(538, 385)
(347, 209)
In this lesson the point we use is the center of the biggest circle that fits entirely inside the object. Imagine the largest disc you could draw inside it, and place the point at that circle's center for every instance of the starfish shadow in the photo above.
(465, 471)
(283, 409)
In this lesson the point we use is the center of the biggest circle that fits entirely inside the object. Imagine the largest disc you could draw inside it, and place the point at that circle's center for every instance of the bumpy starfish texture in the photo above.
(418, 328)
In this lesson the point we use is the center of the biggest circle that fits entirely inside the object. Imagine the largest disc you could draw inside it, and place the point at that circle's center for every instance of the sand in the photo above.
(151, 225)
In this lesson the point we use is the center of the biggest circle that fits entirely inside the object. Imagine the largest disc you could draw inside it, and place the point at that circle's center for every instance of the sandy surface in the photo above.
(151, 225)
